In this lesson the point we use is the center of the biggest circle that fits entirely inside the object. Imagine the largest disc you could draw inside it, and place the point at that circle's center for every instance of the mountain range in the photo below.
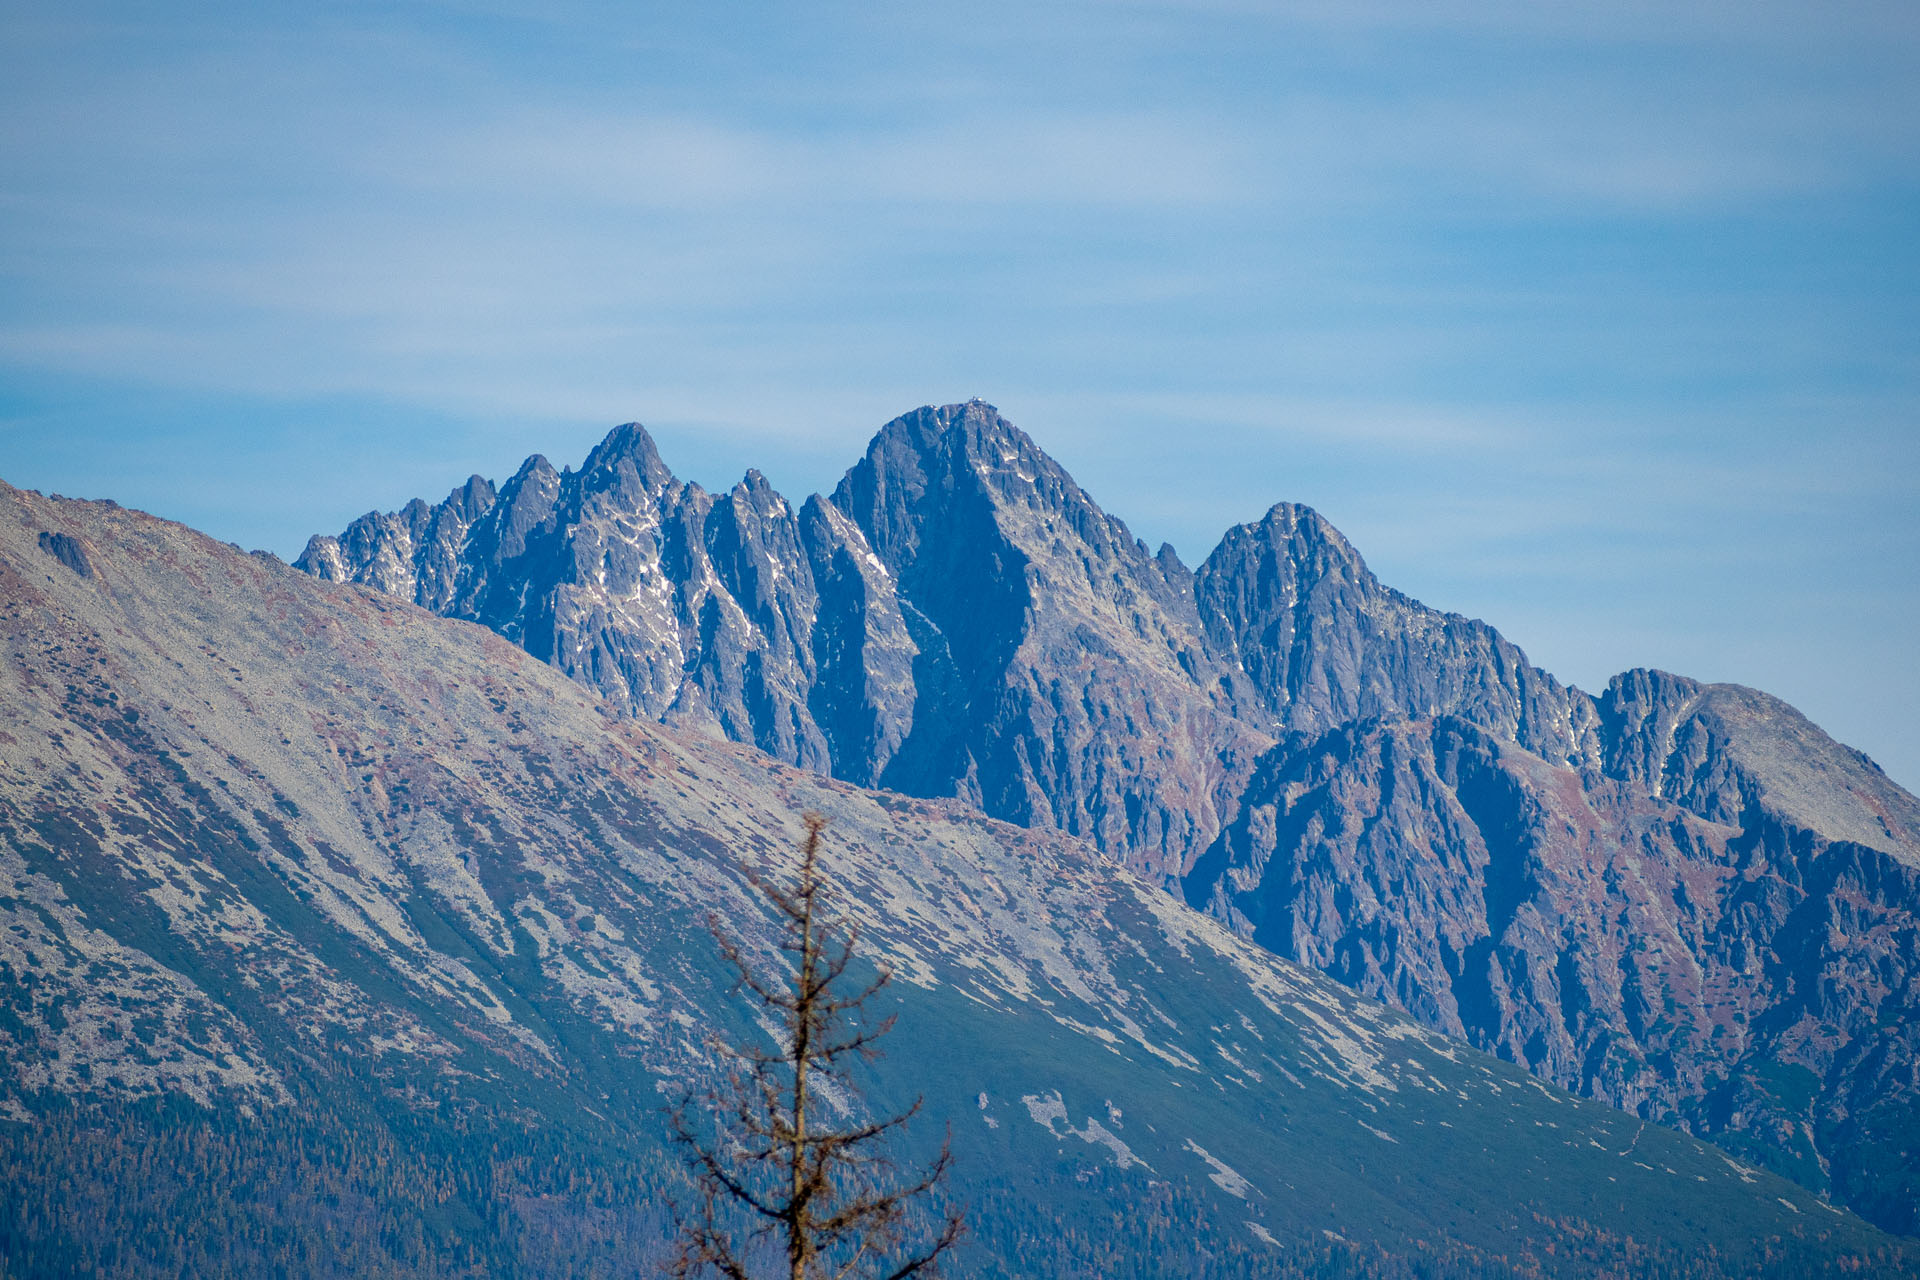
(1681, 899)
(344, 936)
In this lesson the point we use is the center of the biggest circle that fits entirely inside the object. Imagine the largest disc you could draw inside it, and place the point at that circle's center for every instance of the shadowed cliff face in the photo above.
(1063, 680)
(1622, 893)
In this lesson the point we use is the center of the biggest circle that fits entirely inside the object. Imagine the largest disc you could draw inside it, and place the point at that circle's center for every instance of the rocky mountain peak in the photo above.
(524, 504)
(471, 500)
(974, 429)
(1042, 627)
(1310, 534)
(920, 457)
(1251, 591)
(962, 456)
(1739, 756)
(755, 493)
(412, 553)
(1640, 715)
(1290, 601)
(628, 456)
(536, 469)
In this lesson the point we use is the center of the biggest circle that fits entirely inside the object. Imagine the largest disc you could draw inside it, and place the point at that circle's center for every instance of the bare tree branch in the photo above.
(827, 1195)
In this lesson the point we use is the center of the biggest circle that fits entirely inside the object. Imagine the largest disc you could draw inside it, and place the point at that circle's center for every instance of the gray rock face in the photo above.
(1731, 753)
(1755, 984)
(1425, 862)
(863, 692)
(68, 550)
(413, 553)
(673, 604)
(1290, 602)
(1062, 679)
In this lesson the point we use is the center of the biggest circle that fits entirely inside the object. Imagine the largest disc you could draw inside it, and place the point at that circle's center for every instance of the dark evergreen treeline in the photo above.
(164, 1190)
(173, 1190)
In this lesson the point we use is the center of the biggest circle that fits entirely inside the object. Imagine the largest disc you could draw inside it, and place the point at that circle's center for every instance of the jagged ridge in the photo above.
(960, 619)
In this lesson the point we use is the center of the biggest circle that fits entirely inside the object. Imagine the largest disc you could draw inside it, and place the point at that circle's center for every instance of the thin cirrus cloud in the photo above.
(675, 163)
(1543, 304)
(1305, 155)
(1748, 26)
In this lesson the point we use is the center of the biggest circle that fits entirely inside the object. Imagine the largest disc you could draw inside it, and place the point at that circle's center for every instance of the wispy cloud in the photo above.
(669, 163)
(1581, 297)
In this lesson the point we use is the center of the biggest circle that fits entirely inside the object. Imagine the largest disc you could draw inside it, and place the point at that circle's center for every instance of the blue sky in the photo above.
(1601, 322)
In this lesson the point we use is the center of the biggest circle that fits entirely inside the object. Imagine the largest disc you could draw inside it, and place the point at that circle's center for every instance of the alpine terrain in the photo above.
(1683, 900)
(1248, 921)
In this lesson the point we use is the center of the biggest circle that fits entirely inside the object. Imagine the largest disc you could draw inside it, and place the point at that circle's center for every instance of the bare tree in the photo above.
(763, 1149)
